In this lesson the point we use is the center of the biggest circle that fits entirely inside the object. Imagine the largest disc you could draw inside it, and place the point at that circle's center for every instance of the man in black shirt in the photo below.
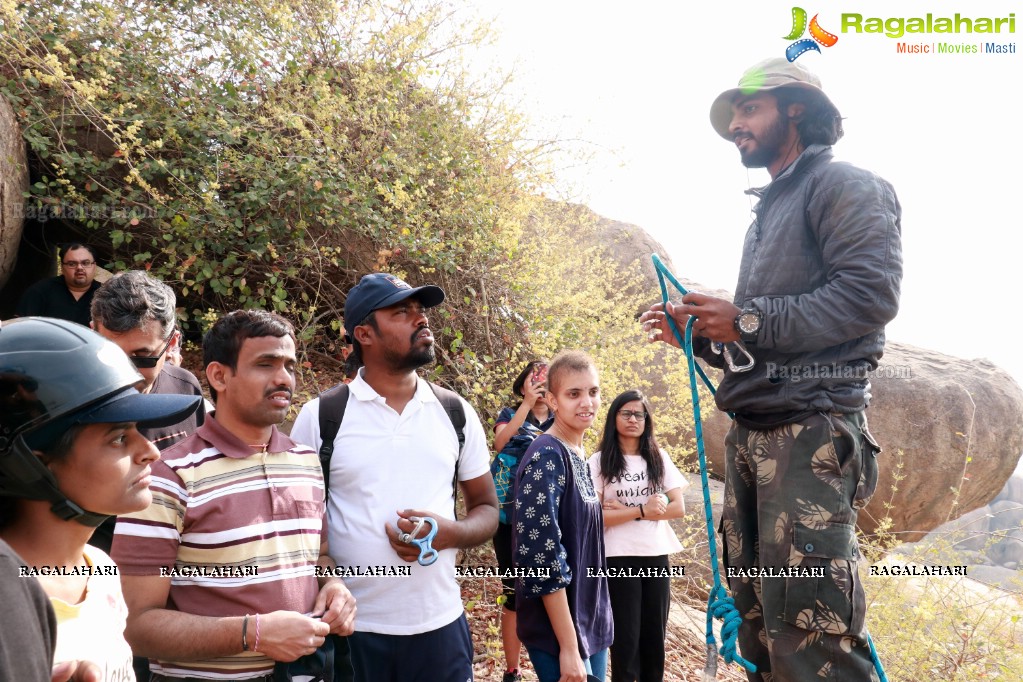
(68, 296)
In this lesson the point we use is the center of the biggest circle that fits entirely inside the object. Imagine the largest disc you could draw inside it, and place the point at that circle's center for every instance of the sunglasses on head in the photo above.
(149, 361)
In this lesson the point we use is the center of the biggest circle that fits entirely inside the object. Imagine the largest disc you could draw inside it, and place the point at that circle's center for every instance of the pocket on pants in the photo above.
(826, 595)
(867, 483)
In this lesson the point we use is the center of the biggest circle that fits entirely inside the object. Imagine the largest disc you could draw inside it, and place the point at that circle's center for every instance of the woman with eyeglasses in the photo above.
(641, 489)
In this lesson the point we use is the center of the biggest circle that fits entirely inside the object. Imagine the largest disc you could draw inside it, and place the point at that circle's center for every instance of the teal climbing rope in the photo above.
(719, 604)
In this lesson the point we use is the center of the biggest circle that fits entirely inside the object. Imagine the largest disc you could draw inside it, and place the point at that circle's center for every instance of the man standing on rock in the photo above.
(68, 296)
(819, 279)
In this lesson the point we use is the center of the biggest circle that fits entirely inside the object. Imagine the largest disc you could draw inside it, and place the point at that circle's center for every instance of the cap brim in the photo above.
(429, 295)
(144, 409)
(721, 112)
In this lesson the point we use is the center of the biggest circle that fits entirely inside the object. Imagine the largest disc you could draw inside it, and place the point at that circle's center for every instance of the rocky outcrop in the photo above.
(955, 424)
(13, 185)
(989, 536)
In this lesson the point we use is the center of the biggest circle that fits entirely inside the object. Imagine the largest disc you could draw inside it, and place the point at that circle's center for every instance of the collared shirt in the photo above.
(382, 462)
(238, 533)
(52, 298)
(178, 381)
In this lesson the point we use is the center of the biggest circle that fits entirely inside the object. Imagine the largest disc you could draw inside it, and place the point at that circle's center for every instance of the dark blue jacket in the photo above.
(822, 262)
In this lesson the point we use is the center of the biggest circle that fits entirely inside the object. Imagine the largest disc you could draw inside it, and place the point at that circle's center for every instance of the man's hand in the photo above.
(446, 533)
(337, 606)
(76, 671)
(715, 319)
(287, 635)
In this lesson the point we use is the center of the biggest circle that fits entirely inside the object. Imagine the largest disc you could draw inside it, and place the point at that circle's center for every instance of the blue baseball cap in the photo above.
(379, 290)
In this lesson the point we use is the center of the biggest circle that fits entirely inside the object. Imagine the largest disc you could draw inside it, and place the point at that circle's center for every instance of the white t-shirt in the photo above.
(382, 462)
(638, 538)
(93, 629)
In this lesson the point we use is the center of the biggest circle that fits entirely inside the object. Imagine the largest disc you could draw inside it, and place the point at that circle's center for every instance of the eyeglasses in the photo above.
(149, 361)
(629, 414)
(74, 264)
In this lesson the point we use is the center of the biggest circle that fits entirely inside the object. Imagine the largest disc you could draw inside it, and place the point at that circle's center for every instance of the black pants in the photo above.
(343, 671)
(639, 607)
(441, 655)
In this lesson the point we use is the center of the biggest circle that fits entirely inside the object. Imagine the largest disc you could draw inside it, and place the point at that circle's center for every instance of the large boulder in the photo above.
(956, 425)
(13, 185)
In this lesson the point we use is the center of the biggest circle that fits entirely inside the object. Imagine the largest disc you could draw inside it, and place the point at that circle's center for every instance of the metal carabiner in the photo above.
(427, 554)
(721, 348)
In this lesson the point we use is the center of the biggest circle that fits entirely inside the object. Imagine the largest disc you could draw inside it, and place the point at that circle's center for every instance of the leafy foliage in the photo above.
(267, 154)
(259, 154)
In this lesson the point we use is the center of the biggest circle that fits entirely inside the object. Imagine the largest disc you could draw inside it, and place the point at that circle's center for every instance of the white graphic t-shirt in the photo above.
(638, 538)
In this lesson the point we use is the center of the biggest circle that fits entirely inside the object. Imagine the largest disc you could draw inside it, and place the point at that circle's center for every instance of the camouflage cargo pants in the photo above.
(791, 499)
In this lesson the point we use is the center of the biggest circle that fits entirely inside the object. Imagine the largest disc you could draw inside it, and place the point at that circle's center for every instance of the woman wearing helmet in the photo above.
(71, 455)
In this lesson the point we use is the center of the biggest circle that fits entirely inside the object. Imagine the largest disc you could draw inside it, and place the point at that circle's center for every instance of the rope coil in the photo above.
(719, 604)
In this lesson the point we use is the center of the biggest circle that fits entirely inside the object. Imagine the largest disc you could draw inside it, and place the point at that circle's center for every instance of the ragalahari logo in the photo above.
(817, 35)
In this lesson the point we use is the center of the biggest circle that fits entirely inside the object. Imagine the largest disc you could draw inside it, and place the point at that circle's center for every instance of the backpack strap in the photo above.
(456, 413)
(333, 404)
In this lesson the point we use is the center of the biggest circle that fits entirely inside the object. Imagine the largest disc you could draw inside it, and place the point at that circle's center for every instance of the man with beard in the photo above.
(68, 296)
(219, 573)
(819, 279)
(396, 460)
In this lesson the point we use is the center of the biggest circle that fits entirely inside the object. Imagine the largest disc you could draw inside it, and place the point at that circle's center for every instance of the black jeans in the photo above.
(639, 607)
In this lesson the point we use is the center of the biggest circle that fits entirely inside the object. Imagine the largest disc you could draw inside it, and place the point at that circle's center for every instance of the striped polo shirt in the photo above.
(237, 533)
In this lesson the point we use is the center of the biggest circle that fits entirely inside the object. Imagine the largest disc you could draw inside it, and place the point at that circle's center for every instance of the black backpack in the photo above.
(334, 402)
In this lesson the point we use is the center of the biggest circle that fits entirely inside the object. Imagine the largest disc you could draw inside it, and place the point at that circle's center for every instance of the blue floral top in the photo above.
(558, 526)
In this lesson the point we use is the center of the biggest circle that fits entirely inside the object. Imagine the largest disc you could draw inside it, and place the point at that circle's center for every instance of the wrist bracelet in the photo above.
(245, 627)
(641, 512)
(255, 647)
